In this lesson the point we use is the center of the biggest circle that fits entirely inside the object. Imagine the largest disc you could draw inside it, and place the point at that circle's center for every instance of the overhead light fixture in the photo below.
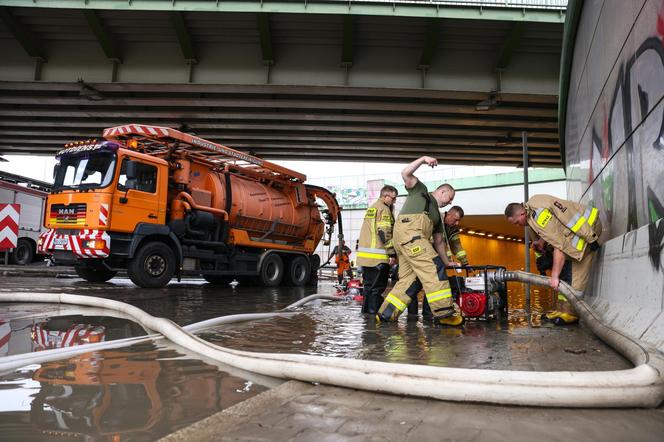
(490, 235)
(500, 237)
(89, 92)
(481, 233)
(472, 232)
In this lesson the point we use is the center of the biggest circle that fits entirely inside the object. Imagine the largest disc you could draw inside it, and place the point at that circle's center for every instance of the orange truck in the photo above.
(162, 203)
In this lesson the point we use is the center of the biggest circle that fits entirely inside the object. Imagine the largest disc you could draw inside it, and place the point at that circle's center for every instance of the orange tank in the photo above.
(265, 212)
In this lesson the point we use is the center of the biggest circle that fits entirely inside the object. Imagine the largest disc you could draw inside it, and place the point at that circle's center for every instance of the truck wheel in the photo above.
(313, 274)
(153, 266)
(218, 279)
(95, 274)
(24, 252)
(298, 272)
(272, 270)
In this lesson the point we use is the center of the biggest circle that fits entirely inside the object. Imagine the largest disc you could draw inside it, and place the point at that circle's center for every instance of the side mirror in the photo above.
(130, 183)
(131, 172)
(56, 169)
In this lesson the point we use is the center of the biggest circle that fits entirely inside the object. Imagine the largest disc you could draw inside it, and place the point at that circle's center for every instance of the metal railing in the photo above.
(509, 4)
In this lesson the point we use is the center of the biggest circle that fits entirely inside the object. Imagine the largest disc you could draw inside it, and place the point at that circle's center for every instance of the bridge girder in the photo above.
(309, 105)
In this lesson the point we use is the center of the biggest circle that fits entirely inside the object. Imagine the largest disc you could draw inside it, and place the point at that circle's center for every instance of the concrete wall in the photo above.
(615, 156)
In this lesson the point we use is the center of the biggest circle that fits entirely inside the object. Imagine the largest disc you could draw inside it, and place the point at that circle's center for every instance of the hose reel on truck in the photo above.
(172, 204)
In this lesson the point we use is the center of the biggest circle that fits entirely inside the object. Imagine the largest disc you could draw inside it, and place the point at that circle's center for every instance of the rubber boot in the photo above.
(389, 314)
(451, 316)
(426, 309)
(412, 308)
(551, 316)
(566, 319)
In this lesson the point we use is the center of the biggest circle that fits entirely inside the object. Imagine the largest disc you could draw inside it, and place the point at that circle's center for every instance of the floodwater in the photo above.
(154, 388)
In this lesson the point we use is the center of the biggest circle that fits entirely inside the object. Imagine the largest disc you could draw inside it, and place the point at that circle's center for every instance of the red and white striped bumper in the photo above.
(77, 334)
(85, 244)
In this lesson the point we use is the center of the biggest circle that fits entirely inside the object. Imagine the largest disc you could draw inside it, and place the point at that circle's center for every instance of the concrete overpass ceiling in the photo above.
(285, 86)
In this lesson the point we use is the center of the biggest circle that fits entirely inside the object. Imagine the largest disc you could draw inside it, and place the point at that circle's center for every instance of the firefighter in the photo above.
(419, 258)
(375, 252)
(451, 221)
(573, 230)
(342, 260)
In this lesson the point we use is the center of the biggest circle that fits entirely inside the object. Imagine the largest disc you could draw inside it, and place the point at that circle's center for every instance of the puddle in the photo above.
(137, 393)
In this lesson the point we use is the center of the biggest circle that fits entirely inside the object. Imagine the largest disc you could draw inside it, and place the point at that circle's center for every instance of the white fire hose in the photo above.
(642, 386)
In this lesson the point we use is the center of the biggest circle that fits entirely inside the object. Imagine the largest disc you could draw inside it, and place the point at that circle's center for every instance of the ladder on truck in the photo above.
(164, 141)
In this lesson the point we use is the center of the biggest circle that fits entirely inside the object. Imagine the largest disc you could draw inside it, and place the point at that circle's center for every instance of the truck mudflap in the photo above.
(84, 244)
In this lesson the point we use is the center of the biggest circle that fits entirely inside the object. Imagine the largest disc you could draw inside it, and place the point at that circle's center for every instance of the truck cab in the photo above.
(101, 192)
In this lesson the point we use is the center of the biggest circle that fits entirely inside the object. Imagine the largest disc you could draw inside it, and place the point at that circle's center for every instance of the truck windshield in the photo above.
(85, 171)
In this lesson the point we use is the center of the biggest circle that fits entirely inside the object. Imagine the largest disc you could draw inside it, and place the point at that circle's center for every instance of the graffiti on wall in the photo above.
(627, 146)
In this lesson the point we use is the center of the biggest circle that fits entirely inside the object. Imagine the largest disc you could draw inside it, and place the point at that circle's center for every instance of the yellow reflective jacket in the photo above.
(455, 248)
(564, 224)
(375, 245)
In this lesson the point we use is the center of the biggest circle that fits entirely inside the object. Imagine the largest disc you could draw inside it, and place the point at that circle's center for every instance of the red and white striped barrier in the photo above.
(136, 129)
(9, 217)
(5, 335)
(103, 215)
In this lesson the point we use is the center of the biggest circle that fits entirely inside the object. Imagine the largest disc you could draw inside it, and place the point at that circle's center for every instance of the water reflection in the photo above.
(139, 393)
(340, 330)
(542, 300)
(36, 333)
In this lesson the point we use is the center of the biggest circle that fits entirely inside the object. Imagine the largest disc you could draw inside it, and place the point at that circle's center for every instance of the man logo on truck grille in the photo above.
(70, 214)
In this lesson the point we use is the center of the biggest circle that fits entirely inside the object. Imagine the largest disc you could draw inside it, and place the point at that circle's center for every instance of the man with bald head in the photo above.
(419, 258)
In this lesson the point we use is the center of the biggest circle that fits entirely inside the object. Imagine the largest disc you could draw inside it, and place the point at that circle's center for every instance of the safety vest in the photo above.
(375, 243)
(455, 248)
(566, 225)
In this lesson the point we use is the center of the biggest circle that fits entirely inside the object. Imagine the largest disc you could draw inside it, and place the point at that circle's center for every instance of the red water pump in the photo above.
(351, 289)
(473, 304)
(479, 295)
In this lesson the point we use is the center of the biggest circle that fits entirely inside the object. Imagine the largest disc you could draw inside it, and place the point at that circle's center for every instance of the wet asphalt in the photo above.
(154, 388)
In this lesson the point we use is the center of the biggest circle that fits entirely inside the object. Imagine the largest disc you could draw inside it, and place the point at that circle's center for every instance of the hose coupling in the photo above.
(500, 276)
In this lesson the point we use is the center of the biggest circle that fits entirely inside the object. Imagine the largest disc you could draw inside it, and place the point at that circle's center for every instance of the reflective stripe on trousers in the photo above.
(440, 294)
(396, 302)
